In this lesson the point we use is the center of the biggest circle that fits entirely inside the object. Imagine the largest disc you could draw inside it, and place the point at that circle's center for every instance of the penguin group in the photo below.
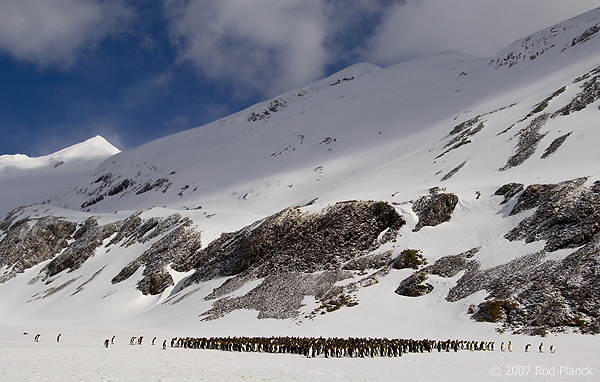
(540, 348)
(37, 337)
(332, 347)
(134, 340)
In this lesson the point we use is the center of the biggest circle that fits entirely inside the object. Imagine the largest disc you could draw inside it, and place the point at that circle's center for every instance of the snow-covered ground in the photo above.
(81, 356)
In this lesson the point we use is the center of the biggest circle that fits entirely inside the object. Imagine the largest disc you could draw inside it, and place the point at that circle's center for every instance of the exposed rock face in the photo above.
(544, 295)
(590, 93)
(26, 245)
(281, 295)
(294, 241)
(177, 246)
(414, 286)
(298, 255)
(375, 260)
(529, 138)
(69, 247)
(534, 294)
(453, 171)
(555, 145)
(509, 191)
(567, 215)
(449, 266)
(462, 134)
(87, 239)
(409, 258)
(178, 243)
(434, 209)
(498, 311)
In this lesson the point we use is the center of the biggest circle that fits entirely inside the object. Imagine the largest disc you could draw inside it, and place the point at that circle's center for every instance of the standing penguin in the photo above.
(164, 344)
(541, 348)
(527, 348)
(37, 338)
(153, 340)
(106, 341)
(552, 349)
(502, 346)
(510, 346)
(58, 338)
(112, 340)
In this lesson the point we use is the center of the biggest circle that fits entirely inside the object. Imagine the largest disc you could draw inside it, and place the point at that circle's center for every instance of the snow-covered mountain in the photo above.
(25, 180)
(457, 188)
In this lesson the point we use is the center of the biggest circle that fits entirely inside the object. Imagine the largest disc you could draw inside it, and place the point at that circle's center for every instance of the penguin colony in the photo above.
(329, 347)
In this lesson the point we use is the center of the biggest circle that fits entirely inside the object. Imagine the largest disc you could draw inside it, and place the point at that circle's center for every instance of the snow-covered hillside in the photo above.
(295, 215)
(25, 180)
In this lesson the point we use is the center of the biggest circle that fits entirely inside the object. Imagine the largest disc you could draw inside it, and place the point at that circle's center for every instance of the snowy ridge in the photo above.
(567, 36)
(93, 149)
(25, 180)
(481, 164)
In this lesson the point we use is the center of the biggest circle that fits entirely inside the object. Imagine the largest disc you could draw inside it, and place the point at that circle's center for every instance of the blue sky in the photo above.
(137, 70)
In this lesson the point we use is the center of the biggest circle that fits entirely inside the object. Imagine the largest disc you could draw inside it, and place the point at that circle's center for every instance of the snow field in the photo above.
(81, 356)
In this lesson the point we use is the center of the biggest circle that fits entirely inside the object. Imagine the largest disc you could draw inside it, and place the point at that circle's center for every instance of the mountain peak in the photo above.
(21, 175)
(92, 148)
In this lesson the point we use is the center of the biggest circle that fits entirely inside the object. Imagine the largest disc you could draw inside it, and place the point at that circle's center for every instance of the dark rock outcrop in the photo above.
(498, 311)
(414, 286)
(298, 254)
(409, 258)
(281, 295)
(529, 138)
(294, 241)
(449, 266)
(434, 209)
(175, 247)
(590, 93)
(567, 214)
(534, 294)
(554, 146)
(545, 295)
(26, 245)
(509, 191)
(86, 240)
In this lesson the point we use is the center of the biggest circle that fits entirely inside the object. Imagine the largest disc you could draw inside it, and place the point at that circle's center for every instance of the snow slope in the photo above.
(25, 180)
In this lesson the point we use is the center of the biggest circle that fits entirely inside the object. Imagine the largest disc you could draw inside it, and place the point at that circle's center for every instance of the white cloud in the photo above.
(54, 32)
(265, 45)
(478, 27)
(271, 46)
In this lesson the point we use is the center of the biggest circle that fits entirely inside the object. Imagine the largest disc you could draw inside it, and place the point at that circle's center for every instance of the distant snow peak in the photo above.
(93, 147)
